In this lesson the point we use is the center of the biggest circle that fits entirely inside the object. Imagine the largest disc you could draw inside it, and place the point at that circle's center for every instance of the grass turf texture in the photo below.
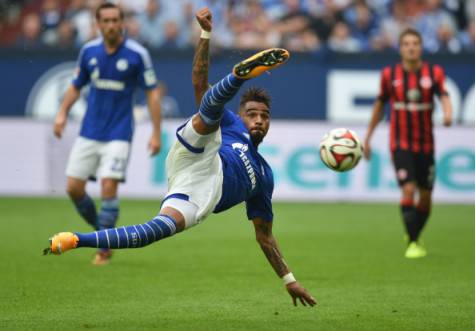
(214, 276)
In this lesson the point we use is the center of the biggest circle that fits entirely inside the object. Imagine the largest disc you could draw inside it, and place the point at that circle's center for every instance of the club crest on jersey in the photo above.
(92, 62)
(122, 64)
(413, 94)
(426, 82)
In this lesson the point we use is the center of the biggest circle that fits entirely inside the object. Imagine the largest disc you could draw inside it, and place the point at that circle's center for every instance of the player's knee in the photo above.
(109, 188)
(75, 192)
(408, 191)
(185, 212)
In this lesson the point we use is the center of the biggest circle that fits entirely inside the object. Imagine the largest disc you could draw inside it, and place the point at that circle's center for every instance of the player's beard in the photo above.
(112, 37)
(256, 137)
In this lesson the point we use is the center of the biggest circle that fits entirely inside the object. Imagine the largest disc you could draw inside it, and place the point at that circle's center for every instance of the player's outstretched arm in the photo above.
(70, 97)
(153, 102)
(376, 117)
(199, 76)
(271, 250)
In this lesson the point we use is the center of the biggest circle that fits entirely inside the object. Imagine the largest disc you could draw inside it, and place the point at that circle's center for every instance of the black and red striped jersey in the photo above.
(411, 96)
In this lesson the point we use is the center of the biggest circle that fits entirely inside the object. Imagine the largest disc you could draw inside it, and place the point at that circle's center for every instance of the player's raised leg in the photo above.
(212, 104)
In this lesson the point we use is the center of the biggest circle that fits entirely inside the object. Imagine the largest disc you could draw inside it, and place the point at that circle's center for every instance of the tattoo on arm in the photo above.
(199, 75)
(271, 250)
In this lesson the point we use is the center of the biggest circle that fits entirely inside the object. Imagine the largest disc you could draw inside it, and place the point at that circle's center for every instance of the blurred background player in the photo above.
(410, 86)
(113, 66)
(213, 166)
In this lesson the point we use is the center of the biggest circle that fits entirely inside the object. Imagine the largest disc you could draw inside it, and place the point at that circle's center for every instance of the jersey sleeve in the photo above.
(82, 75)
(146, 75)
(261, 204)
(385, 84)
(439, 81)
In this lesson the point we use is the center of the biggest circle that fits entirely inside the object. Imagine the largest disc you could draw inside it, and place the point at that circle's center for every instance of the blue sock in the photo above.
(212, 104)
(133, 236)
(108, 214)
(87, 209)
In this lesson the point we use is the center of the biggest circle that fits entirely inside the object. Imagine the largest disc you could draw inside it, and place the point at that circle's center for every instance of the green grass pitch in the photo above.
(214, 276)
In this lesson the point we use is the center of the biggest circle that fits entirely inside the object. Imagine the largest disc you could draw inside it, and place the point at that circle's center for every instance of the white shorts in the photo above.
(194, 169)
(92, 158)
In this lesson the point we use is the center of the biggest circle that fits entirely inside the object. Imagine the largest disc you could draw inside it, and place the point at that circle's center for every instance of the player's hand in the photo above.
(367, 150)
(154, 144)
(447, 120)
(60, 124)
(205, 19)
(298, 292)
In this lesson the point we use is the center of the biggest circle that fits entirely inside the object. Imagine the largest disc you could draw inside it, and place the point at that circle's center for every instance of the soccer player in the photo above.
(410, 87)
(213, 165)
(113, 66)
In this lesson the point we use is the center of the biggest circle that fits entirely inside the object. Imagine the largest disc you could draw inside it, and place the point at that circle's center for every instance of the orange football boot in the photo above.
(61, 242)
(261, 62)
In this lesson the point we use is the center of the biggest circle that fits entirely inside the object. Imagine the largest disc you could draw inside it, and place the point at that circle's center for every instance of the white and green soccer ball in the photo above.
(340, 149)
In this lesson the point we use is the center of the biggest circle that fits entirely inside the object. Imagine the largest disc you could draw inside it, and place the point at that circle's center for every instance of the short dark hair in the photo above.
(107, 5)
(256, 94)
(409, 32)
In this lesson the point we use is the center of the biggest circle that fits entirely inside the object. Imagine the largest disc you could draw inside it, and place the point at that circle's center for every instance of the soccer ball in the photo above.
(340, 149)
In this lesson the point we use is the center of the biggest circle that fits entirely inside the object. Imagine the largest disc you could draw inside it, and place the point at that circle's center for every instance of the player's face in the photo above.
(410, 48)
(111, 24)
(256, 117)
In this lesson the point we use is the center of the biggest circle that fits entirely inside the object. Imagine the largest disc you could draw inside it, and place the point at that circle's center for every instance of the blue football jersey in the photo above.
(246, 175)
(113, 79)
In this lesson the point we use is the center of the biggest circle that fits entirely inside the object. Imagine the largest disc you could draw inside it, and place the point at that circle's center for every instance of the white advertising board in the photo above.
(33, 163)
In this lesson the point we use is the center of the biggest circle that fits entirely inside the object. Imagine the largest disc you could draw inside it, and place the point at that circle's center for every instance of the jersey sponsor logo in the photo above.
(105, 84)
(109, 84)
(413, 95)
(397, 82)
(242, 149)
(122, 64)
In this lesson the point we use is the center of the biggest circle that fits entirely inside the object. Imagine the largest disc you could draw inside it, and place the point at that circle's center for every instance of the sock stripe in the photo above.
(107, 237)
(230, 83)
(219, 93)
(97, 238)
(153, 231)
(118, 238)
(213, 98)
(146, 237)
(170, 226)
(160, 228)
(127, 236)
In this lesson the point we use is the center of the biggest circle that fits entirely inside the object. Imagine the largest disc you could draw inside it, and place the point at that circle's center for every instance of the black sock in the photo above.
(422, 216)
(409, 215)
